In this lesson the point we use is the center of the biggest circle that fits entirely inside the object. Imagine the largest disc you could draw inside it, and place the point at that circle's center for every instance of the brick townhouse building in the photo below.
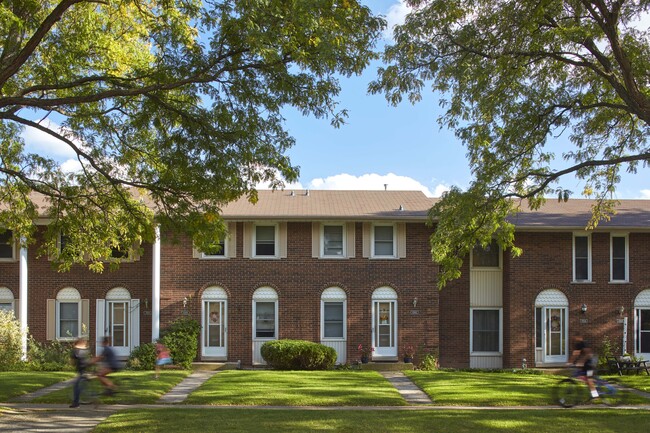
(354, 267)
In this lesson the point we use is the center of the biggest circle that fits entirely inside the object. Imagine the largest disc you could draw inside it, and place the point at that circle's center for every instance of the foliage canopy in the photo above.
(518, 74)
(171, 107)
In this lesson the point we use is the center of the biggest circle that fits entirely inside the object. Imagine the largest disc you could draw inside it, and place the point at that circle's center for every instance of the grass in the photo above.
(17, 383)
(638, 381)
(135, 387)
(477, 388)
(297, 388)
(289, 421)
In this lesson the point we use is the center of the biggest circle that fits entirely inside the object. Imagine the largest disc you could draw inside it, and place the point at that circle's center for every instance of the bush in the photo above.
(49, 356)
(10, 341)
(298, 355)
(182, 340)
(428, 359)
(142, 357)
(607, 348)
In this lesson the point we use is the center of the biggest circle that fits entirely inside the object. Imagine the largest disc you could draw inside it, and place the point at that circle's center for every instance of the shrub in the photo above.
(10, 341)
(142, 357)
(298, 355)
(49, 356)
(607, 348)
(428, 359)
(182, 340)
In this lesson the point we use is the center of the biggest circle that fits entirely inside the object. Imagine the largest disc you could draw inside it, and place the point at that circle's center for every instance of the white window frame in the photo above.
(344, 330)
(372, 241)
(13, 248)
(471, 330)
(58, 319)
(487, 268)
(276, 247)
(223, 255)
(589, 257)
(611, 257)
(343, 254)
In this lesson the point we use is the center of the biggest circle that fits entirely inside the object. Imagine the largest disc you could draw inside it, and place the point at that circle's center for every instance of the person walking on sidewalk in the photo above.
(80, 360)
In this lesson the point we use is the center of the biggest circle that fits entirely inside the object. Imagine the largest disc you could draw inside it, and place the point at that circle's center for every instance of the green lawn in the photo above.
(16, 383)
(461, 421)
(638, 381)
(135, 387)
(297, 388)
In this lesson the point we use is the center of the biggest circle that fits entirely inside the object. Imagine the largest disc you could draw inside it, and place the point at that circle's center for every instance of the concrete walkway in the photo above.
(406, 388)
(179, 393)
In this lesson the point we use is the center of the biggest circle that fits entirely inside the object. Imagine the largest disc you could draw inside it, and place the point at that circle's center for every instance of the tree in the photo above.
(172, 108)
(517, 74)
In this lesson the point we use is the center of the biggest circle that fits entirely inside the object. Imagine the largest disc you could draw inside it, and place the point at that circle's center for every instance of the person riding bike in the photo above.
(584, 358)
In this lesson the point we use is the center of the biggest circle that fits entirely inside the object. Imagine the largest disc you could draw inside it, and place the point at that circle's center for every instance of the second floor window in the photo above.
(6, 245)
(619, 261)
(333, 236)
(217, 250)
(265, 241)
(384, 241)
(488, 257)
(581, 258)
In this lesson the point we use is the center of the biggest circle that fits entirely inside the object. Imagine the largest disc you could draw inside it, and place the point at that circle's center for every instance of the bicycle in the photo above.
(574, 390)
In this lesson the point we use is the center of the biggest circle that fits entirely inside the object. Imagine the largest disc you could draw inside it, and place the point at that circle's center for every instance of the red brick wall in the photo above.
(299, 281)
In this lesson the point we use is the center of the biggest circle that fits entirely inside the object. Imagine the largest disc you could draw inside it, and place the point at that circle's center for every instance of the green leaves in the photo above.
(175, 102)
(514, 75)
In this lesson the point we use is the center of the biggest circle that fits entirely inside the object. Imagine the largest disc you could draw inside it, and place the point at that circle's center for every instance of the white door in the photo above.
(384, 329)
(555, 334)
(214, 329)
(117, 324)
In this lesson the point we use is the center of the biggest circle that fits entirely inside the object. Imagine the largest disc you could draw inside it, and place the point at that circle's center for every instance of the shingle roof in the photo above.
(575, 214)
(328, 204)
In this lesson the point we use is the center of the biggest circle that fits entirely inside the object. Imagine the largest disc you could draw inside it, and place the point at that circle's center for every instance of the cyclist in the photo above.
(108, 364)
(80, 359)
(583, 356)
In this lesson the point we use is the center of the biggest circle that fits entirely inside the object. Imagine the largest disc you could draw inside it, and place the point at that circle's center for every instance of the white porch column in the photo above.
(155, 289)
(22, 296)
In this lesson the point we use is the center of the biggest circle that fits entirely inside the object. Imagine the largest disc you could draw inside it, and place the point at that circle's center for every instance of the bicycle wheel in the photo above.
(609, 394)
(568, 392)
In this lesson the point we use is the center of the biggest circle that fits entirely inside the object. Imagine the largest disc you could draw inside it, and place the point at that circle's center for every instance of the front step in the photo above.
(386, 366)
(214, 366)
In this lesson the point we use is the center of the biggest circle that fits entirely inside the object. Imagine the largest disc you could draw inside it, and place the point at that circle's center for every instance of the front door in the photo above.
(555, 338)
(117, 314)
(384, 328)
(642, 328)
(214, 328)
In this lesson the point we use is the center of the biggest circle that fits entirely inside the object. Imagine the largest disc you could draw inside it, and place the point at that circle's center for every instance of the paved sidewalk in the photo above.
(179, 393)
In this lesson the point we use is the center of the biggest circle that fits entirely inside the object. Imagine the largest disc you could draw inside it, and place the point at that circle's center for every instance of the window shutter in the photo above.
(100, 323)
(232, 240)
(85, 318)
(196, 253)
(401, 240)
(17, 309)
(351, 249)
(248, 240)
(50, 319)
(315, 239)
(135, 323)
(366, 239)
(282, 242)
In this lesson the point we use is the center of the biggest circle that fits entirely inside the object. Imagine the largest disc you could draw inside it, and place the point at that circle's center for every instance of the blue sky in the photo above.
(401, 147)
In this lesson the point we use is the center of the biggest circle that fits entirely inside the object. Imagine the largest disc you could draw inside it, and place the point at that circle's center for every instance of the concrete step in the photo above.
(214, 366)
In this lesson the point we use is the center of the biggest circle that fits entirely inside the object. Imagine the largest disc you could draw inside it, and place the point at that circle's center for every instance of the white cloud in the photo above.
(371, 181)
(38, 142)
(645, 194)
(71, 166)
(395, 16)
(440, 189)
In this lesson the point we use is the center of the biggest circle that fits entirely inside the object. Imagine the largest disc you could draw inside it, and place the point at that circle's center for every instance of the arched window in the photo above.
(6, 300)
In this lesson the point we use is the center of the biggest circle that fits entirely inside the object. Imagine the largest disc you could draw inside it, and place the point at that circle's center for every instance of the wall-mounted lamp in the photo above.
(621, 310)
(185, 302)
(583, 308)
(146, 303)
(415, 302)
